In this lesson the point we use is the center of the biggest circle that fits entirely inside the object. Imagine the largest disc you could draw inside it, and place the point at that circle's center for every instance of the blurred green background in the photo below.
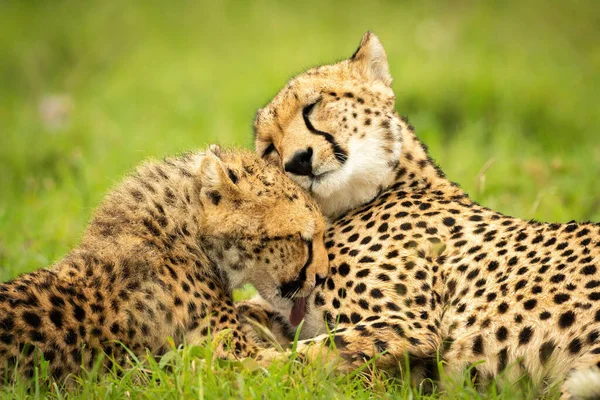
(505, 93)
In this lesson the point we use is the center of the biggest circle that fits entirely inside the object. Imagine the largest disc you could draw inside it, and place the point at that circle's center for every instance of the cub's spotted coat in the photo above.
(159, 260)
(422, 270)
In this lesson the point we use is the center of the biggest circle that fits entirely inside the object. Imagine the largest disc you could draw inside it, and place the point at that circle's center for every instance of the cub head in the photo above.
(334, 131)
(261, 228)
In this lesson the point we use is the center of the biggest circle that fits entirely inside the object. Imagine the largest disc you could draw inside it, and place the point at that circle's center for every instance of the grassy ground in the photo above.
(506, 94)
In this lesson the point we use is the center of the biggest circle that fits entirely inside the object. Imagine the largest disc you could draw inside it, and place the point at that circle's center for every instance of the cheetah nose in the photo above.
(301, 162)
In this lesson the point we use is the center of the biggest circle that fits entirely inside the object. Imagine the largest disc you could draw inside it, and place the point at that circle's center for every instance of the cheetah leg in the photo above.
(583, 380)
(271, 327)
(386, 343)
(239, 331)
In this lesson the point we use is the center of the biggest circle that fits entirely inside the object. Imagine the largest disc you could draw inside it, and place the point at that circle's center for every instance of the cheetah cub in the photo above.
(417, 269)
(159, 259)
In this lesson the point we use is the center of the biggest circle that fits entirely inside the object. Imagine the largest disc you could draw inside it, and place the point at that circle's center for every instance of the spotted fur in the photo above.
(421, 270)
(159, 259)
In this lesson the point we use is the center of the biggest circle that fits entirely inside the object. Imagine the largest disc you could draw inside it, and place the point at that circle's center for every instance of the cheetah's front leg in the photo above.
(385, 342)
(267, 325)
(237, 331)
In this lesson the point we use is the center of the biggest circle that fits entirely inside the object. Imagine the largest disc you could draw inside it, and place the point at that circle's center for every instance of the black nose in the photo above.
(301, 162)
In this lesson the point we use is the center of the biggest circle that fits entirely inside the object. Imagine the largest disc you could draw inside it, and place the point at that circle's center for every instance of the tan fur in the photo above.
(354, 101)
(421, 270)
(159, 260)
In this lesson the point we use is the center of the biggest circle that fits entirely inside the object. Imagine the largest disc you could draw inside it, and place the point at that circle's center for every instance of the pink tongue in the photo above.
(298, 311)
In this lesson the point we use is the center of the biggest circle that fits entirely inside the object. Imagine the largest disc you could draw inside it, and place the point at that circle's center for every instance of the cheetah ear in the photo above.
(371, 61)
(214, 173)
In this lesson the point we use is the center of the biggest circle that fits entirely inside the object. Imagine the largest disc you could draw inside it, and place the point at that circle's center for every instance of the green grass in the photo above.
(194, 372)
(506, 95)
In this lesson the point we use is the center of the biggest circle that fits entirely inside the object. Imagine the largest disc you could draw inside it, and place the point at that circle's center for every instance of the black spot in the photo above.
(575, 346)
(37, 336)
(7, 324)
(155, 231)
(70, 337)
(114, 328)
(449, 221)
(57, 301)
(530, 304)
(594, 296)
(525, 335)
(344, 269)
(6, 338)
(545, 315)
(502, 360)
(478, 345)
(492, 266)
(355, 318)
(383, 227)
(589, 270)
(336, 303)
(32, 319)
(471, 320)
(363, 304)
(560, 298)
(362, 273)
(502, 334)
(472, 274)
(401, 289)
(375, 247)
(360, 288)
(56, 317)
(566, 319)
(546, 351)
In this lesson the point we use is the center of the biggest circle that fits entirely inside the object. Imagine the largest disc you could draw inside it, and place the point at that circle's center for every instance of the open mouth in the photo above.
(298, 311)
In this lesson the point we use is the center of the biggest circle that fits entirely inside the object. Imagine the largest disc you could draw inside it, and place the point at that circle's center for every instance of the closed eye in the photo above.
(340, 154)
(270, 148)
(306, 111)
(288, 289)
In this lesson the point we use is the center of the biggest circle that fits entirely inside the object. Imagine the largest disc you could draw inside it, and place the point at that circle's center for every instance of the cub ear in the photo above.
(213, 172)
(371, 61)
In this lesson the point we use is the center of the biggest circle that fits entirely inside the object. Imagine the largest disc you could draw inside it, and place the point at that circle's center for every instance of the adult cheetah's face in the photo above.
(332, 129)
(261, 228)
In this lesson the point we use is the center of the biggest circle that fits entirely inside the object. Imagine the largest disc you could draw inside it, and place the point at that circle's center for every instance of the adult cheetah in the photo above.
(159, 259)
(417, 269)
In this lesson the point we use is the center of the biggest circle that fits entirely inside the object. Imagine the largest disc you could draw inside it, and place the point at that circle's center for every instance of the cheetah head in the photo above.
(333, 129)
(261, 228)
